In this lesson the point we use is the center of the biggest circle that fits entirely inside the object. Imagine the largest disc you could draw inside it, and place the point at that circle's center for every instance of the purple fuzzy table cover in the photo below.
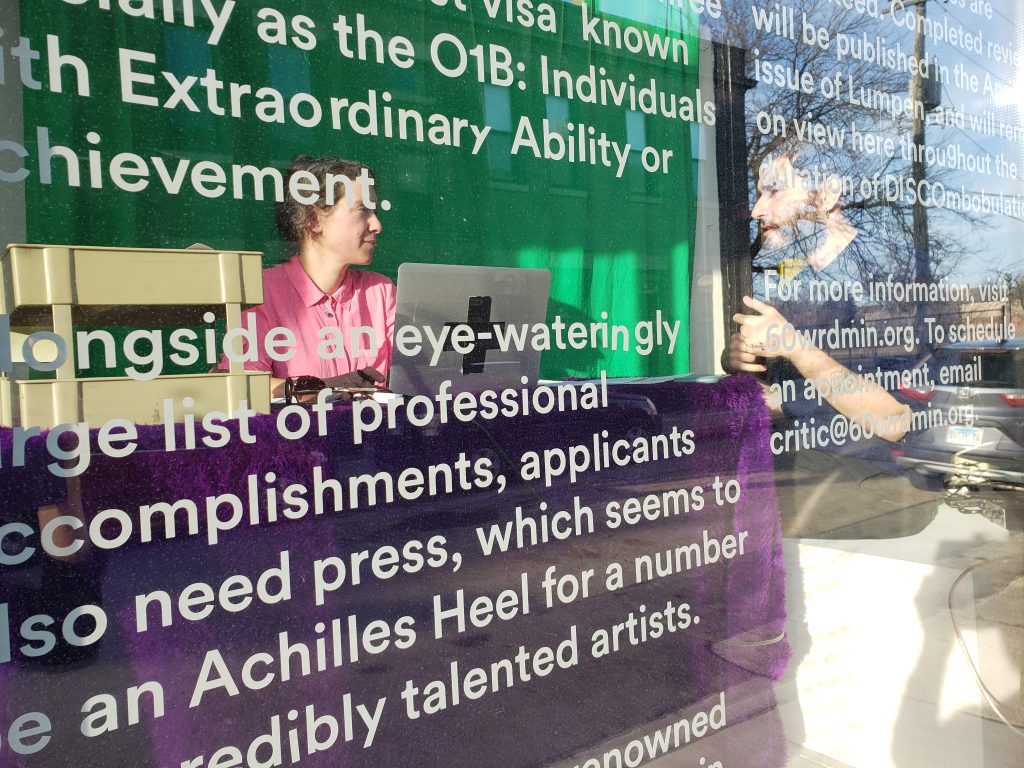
(742, 605)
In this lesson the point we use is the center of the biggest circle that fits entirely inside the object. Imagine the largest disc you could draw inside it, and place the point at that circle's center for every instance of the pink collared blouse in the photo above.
(327, 342)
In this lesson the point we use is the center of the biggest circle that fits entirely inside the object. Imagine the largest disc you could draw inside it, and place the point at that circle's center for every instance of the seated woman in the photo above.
(342, 318)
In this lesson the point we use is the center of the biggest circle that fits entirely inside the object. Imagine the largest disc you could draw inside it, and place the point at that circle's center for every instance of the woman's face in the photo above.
(348, 230)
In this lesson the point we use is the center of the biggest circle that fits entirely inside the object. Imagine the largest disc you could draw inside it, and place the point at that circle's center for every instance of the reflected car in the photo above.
(984, 379)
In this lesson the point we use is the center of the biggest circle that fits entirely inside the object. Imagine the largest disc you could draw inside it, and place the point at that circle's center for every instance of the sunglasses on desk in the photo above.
(306, 389)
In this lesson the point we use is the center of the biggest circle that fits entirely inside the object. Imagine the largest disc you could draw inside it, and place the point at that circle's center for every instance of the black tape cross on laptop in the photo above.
(469, 325)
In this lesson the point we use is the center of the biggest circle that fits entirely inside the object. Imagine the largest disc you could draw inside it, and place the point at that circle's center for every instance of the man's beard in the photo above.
(803, 240)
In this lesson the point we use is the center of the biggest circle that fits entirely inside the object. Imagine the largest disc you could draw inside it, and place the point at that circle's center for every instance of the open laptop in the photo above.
(494, 302)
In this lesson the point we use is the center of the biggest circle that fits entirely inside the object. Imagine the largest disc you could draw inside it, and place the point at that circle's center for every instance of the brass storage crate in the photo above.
(54, 287)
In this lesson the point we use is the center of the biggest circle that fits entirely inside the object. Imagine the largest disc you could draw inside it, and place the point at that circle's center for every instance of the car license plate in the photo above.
(964, 435)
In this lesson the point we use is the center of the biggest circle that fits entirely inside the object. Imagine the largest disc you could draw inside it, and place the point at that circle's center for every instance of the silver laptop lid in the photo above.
(499, 304)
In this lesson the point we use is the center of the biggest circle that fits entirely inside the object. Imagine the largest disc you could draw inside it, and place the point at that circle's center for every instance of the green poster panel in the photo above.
(552, 135)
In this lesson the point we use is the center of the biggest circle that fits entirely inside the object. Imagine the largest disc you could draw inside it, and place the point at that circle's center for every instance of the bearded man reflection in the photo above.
(804, 235)
(800, 221)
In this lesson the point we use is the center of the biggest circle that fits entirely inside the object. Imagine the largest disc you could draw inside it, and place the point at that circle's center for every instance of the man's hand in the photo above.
(760, 336)
(741, 359)
(752, 341)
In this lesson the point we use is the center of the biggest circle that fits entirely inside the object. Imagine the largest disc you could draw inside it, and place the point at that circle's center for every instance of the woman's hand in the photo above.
(358, 382)
(361, 379)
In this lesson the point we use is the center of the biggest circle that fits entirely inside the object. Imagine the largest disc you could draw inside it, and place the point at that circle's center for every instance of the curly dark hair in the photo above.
(292, 216)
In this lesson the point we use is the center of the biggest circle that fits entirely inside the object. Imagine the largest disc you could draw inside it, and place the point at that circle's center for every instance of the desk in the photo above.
(559, 712)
